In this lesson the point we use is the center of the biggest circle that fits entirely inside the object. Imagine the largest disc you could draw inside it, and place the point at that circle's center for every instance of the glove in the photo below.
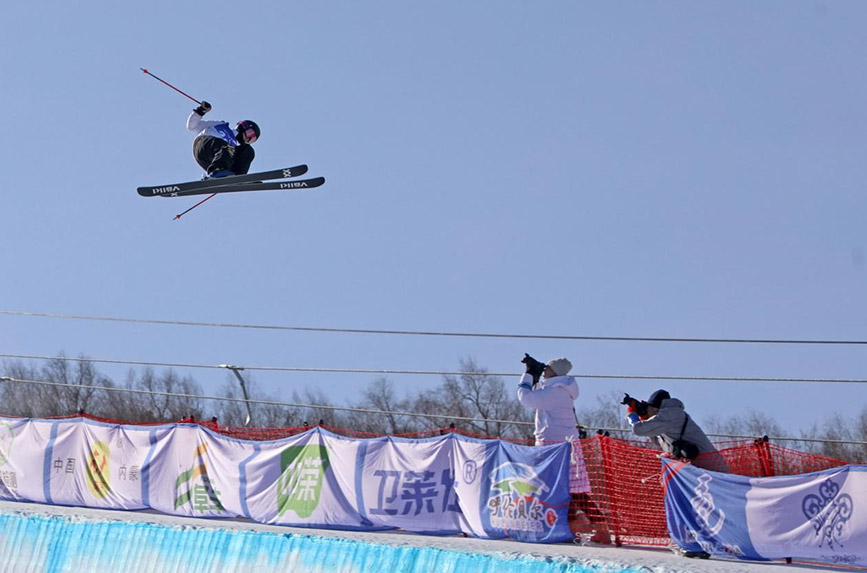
(534, 367)
(634, 406)
(203, 108)
(632, 417)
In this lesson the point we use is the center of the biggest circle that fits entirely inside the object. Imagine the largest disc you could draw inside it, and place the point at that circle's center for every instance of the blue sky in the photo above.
(670, 169)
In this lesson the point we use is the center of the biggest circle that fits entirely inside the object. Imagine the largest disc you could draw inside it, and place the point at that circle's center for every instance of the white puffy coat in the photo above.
(552, 399)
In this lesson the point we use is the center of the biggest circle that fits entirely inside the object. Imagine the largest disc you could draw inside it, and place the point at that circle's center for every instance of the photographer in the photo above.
(664, 418)
(549, 389)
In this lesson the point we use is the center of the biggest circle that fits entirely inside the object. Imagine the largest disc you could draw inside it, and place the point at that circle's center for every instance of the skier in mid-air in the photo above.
(218, 149)
(225, 152)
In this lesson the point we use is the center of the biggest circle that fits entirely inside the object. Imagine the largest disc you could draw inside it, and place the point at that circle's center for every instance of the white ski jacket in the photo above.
(218, 129)
(552, 399)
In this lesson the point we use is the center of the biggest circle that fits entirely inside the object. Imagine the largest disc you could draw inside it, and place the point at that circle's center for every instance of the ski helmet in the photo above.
(248, 129)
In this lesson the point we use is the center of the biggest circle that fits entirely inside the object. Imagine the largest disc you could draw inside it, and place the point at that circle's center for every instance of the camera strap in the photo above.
(683, 428)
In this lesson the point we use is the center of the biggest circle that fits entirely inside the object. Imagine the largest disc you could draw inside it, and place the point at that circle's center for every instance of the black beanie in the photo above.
(657, 397)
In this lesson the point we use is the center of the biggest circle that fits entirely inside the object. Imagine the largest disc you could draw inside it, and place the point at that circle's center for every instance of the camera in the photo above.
(640, 406)
(534, 367)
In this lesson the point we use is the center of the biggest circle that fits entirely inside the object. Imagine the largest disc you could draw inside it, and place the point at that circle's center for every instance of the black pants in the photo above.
(213, 154)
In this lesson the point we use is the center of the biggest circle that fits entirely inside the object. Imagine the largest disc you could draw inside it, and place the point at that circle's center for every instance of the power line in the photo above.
(264, 402)
(434, 333)
(432, 372)
(374, 411)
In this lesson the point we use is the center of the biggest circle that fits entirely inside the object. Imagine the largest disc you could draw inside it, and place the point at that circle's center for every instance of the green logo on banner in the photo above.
(194, 488)
(302, 472)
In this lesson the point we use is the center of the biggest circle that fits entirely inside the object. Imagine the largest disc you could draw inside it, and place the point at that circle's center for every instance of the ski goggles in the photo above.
(247, 130)
(249, 135)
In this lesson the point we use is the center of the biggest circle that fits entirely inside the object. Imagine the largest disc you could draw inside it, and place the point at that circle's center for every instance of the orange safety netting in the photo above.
(624, 474)
(625, 478)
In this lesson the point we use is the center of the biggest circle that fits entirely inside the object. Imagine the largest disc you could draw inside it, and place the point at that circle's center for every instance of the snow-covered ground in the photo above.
(601, 558)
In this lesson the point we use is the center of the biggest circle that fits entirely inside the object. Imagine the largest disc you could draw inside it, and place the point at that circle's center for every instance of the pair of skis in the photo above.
(264, 181)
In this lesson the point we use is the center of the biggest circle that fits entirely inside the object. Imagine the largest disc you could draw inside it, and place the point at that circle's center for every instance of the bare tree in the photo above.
(77, 393)
(750, 423)
(312, 414)
(157, 405)
(835, 429)
(861, 435)
(380, 395)
(65, 387)
(20, 399)
(604, 414)
(476, 394)
(472, 394)
(817, 439)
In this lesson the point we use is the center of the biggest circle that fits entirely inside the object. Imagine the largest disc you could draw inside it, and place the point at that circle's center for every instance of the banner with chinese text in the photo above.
(443, 486)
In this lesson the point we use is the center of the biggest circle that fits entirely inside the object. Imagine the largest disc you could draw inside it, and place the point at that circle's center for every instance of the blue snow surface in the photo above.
(54, 544)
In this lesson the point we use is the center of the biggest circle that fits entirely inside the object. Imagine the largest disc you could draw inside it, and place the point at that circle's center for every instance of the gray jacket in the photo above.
(666, 425)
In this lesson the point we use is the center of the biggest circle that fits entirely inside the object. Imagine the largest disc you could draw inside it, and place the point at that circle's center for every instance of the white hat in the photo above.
(560, 366)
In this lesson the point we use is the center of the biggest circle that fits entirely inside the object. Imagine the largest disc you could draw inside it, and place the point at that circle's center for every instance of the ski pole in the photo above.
(193, 207)
(171, 86)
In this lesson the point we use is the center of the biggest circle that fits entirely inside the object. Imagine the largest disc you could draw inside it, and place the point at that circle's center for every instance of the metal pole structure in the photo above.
(235, 371)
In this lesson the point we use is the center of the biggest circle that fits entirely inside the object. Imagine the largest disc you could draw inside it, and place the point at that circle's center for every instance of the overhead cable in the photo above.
(433, 333)
(434, 372)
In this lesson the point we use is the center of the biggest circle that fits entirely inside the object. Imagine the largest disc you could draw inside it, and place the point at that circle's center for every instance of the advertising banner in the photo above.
(820, 516)
(444, 485)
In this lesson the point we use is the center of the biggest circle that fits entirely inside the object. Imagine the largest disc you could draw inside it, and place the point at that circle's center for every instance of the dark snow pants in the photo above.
(214, 154)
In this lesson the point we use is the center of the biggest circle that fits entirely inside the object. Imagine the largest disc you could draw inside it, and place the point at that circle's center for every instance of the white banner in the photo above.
(443, 485)
(824, 515)
(820, 516)
(96, 465)
(304, 480)
(410, 484)
(22, 459)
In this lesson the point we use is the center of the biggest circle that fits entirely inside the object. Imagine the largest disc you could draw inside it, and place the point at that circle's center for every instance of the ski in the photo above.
(270, 186)
(176, 189)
